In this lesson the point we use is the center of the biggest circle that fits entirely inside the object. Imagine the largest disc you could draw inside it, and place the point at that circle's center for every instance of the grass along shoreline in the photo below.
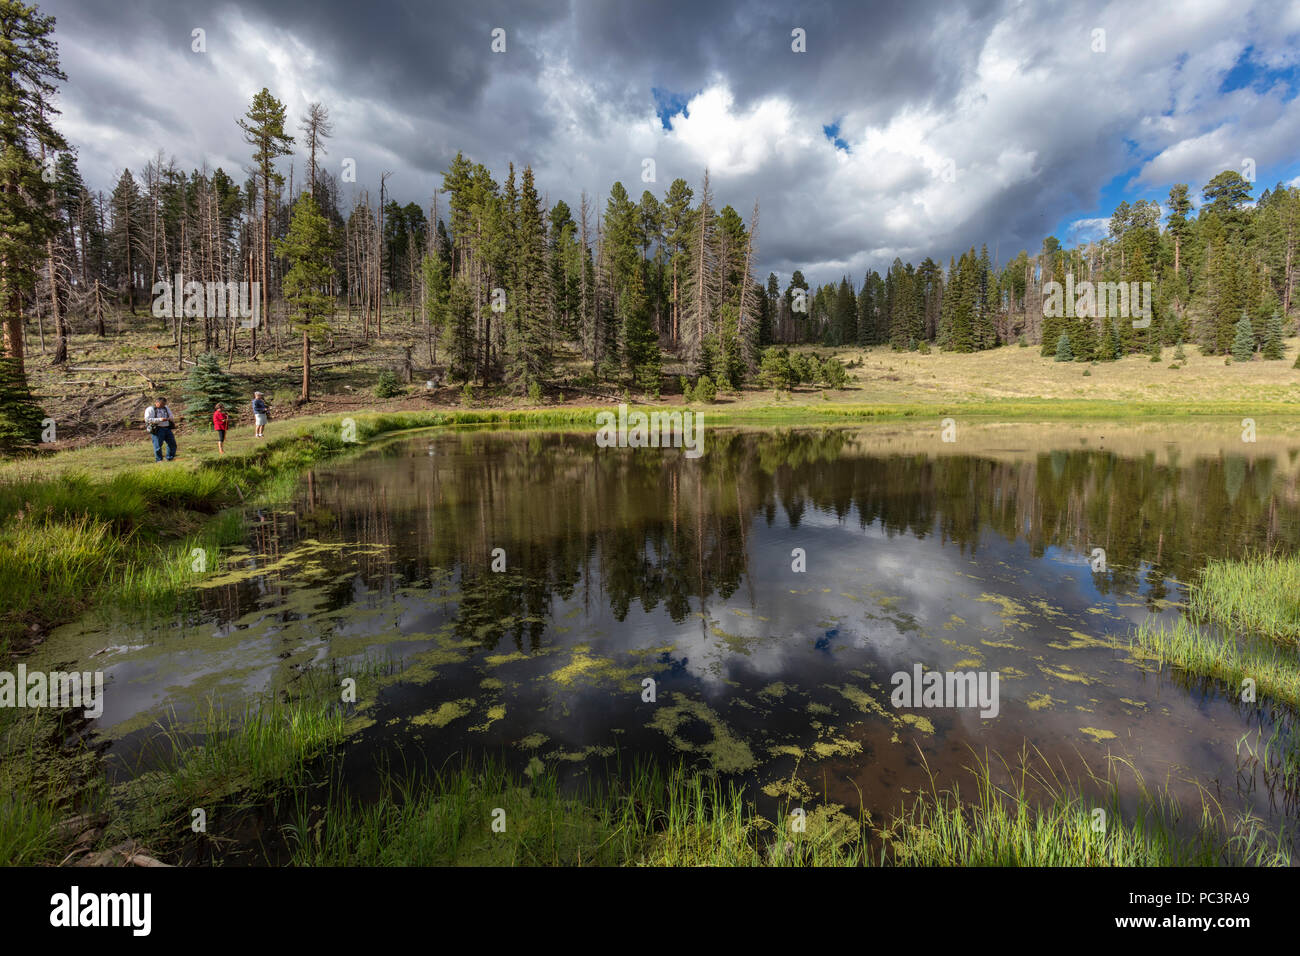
(280, 761)
(1242, 624)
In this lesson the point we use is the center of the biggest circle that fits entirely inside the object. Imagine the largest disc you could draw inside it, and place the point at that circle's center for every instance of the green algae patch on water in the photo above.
(1010, 611)
(302, 558)
(445, 713)
(741, 644)
(1046, 609)
(586, 668)
(533, 741)
(1002, 645)
(863, 701)
(496, 660)
(1097, 734)
(726, 752)
(494, 713)
(786, 750)
(579, 756)
(1066, 673)
(836, 747)
(920, 723)
(1041, 701)
(1080, 640)
(793, 789)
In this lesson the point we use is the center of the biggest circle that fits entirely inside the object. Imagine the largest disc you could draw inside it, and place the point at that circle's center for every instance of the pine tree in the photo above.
(125, 234)
(461, 320)
(263, 127)
(1063, 353)
(309, 249)
(528, 345)
(641, 343)
(29, 67)
(1083, 343)
(1108, 344)
(1273, 339)
(208, 384)
(1243, 346)
(436, 291)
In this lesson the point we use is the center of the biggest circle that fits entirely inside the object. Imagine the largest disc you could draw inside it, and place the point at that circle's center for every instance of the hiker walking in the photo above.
(220, 421)
(261, 412)
(158, 422)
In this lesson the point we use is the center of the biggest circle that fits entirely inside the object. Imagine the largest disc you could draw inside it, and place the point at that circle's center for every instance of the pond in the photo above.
(516, 593)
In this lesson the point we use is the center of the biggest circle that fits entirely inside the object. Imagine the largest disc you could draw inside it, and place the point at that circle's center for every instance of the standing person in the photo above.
(261, 412)
(158, 422)
(219, 422)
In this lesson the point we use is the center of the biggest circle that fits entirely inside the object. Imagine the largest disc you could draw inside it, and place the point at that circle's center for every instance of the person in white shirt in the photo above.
(158, 422)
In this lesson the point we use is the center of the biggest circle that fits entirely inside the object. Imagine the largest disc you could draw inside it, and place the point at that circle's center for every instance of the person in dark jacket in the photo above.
(261, 413)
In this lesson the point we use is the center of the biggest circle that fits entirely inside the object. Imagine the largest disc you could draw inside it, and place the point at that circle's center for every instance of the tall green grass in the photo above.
(1212, 654)
(46, 776)
(266, 747)
(1041, 819)
(1260, 594)
(1242, 622)
(683, 818)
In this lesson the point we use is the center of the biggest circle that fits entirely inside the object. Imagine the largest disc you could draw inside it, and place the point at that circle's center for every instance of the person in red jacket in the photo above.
(219, 422)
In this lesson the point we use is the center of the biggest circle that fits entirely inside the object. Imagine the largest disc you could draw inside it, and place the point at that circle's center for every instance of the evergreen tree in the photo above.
(529, 345)
(208, 384)
(436, 292)
(844, 315)
(1108, 344)
(462, 324)
(309, 249)
(641, 343)
(1063, 353)
(29, 68)
(1273, 339)
(1243, 346)
(126, 233)
(1179, 207)
(263, 127)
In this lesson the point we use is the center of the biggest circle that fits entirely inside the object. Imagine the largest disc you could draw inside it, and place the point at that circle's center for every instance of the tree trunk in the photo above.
(306, 365)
